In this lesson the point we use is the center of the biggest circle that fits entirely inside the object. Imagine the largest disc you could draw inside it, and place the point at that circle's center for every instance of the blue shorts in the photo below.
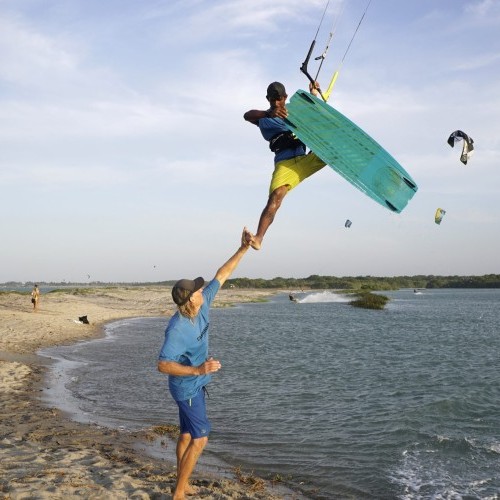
(193, 416)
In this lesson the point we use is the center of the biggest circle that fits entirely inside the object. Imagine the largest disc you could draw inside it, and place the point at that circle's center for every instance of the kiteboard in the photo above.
(349, 151)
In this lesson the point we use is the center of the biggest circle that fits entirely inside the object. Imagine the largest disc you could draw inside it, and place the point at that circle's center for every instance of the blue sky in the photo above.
(124, 154)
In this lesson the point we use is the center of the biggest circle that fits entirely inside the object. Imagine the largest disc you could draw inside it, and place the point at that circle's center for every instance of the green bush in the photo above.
(369, 300)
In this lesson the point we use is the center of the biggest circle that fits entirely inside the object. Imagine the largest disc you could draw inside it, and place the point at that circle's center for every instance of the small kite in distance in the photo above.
(439, 215)
(468, 147)
(347, 223)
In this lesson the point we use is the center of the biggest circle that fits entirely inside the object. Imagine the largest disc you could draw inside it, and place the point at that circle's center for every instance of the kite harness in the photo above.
(284, 140)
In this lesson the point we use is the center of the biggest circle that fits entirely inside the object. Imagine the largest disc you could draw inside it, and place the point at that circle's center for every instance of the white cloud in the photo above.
(480, 61)
(484, 9)
(133, 106)
(29, 56)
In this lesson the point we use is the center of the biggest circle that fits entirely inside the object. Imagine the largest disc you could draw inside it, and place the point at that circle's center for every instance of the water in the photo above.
(338, 401)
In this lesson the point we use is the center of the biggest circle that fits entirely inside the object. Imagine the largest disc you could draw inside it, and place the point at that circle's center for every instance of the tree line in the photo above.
(316, 282)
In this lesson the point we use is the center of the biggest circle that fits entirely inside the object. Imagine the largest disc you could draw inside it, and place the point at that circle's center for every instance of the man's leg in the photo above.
(267, 216)
(287, 175)
(193, 422)
(187, 464)
(182, 444)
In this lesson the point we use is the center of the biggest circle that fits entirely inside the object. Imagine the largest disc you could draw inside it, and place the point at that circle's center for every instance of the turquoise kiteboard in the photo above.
(351, 152)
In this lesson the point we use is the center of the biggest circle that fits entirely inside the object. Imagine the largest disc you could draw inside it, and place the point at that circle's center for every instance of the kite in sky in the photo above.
(468, 147)
(439, 215)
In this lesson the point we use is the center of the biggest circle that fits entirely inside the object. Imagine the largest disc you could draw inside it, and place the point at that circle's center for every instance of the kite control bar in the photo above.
(303, 67)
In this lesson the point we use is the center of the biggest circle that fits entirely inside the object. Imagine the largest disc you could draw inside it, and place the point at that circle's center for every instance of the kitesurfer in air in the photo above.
(291, 163)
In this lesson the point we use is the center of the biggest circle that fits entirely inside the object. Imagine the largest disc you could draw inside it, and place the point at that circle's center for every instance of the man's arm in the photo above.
(254, 115)
(180, 370)
(227, 268)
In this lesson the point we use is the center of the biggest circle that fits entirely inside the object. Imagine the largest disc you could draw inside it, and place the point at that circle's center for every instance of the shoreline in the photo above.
(46, 454)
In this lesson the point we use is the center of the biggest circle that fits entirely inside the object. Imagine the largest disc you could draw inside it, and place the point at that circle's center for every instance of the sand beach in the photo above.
(43, 453)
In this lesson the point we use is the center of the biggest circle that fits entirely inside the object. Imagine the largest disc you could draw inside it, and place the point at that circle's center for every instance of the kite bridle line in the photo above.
(325, 96)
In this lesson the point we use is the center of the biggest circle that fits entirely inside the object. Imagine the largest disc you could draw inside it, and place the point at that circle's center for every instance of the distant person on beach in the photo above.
(35, 297)
(184, 358)
(291, 163)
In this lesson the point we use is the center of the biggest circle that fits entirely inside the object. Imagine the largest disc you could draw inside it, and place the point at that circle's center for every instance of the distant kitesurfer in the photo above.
(291, 163)
(184, 358)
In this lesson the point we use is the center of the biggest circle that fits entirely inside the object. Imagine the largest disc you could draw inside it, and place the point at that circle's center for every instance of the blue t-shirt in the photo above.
(269, 127)
(186, 342)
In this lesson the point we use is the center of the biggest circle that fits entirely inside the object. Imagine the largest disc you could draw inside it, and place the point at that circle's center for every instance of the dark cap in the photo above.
(183, 289)
(276, 90)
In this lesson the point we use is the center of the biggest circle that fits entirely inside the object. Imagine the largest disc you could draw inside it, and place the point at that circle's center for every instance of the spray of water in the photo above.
(324, 296)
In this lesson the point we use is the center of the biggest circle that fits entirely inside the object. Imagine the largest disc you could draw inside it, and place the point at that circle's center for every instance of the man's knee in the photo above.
(200, 443)
(184, 438)
(276, 197)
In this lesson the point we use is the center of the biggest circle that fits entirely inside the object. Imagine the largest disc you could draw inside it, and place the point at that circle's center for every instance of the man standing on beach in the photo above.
(35, 297)
(184, 358)
(291, 163)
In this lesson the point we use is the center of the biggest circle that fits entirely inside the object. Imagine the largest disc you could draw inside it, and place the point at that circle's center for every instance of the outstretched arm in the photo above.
(254, 115)
(228, 267)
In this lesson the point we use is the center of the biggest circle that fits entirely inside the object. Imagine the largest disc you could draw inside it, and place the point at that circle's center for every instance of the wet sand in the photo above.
(43, 453)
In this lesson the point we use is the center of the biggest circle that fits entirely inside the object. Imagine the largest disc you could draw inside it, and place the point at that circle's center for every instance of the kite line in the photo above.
(304, 67)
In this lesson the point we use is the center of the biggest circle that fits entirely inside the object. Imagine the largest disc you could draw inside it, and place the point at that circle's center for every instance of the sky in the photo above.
(124, 155)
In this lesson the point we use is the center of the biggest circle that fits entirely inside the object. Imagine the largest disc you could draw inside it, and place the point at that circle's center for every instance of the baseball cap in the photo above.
(183, 289)
(276, 90)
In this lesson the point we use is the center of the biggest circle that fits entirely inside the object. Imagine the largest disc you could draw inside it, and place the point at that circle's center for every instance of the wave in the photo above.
(434, 468)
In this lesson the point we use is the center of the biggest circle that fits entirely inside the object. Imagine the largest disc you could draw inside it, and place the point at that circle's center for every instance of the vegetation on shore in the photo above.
(313, 282)
(358, 285)
(367, 283)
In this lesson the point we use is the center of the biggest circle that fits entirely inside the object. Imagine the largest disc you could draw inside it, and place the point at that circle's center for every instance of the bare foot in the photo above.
(252, 240)
(189, 491)
(192, 490)
(256, 243)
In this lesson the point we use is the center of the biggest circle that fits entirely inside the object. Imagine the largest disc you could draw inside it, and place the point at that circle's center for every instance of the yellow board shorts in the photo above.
(292, 172)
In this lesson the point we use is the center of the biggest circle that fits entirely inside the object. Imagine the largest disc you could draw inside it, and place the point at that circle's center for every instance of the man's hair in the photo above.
(275, 91)
(188, 309)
